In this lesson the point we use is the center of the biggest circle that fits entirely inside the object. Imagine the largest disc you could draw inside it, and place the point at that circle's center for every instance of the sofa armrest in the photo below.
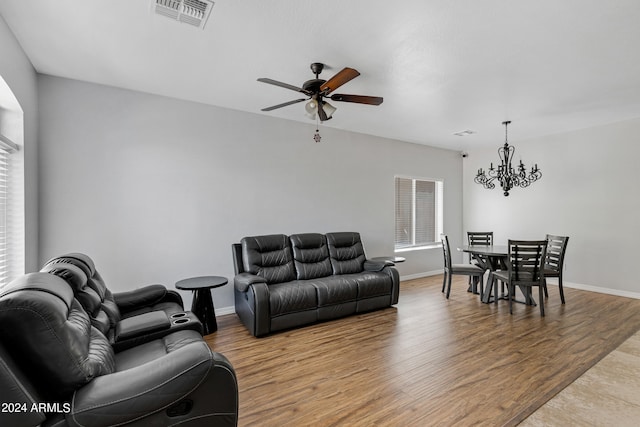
(395, 283)
(141, 297)
(242, 281)
(370, 265)
(138, 392)
(252, 304)
(142, 324)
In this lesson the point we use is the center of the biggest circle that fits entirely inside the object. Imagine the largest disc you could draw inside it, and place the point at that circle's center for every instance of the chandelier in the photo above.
(505, 174)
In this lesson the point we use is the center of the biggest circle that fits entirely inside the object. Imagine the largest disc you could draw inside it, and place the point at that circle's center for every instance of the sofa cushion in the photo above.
(269, 257)
(291, 297)
(372, 284)
(335, 290)
(346, 252)
(310, 256)
(152, 350)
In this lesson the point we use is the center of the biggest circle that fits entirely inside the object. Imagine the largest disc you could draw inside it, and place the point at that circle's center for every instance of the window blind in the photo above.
(6, 148)
(418, 212)
(404, 212)
(425, 212)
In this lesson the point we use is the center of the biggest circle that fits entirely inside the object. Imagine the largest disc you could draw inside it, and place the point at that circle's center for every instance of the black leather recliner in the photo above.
(121, 305)
(122, 333)
(57, 369)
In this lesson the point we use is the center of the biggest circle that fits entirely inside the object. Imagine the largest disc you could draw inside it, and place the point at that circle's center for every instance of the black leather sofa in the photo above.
(129, 318)
(287, 281)
(56, 369)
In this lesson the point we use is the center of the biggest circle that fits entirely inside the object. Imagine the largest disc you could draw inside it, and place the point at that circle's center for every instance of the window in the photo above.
(6, 149)
(418, 213)
(12, 213)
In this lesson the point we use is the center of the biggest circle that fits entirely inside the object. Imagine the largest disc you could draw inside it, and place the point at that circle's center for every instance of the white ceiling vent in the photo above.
(194, 12)
(464, 132)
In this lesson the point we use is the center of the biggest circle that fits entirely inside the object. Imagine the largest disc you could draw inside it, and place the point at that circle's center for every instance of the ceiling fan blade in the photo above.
(360, 99)
(284, 85)
(338, 80)
(284, 104)
(321, 113)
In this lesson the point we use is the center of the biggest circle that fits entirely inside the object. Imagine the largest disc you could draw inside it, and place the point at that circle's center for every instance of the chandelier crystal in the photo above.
(505, 174)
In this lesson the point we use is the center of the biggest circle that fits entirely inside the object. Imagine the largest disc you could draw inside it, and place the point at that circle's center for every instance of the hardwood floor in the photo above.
(426, 361)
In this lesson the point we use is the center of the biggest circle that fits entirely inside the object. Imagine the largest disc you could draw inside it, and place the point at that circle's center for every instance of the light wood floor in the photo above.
(606, 395)
(427, 361)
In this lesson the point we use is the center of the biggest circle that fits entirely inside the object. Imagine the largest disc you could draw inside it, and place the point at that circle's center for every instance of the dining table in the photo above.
(493, 258)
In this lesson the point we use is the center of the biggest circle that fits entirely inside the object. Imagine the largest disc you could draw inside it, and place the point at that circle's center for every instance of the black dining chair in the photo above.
(525, 269)
(479, 238)
(450, 269)
(554, 261)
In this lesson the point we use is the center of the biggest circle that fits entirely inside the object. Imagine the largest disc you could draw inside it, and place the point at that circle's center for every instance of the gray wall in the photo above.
(20, 76)
(589, 191)
(157, 189)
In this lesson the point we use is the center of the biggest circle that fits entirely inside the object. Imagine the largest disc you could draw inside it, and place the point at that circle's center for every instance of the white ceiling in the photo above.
(442, 66)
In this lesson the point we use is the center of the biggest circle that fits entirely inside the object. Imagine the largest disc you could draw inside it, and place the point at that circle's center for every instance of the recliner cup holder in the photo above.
(178, 315)
(180, 321)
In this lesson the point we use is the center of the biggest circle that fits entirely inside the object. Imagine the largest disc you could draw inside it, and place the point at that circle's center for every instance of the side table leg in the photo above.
(202, 307)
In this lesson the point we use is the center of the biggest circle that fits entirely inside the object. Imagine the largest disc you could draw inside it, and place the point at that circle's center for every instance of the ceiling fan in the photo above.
(317, 89)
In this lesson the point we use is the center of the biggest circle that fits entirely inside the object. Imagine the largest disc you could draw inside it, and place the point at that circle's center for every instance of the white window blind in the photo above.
(418, 212)
(7, 147)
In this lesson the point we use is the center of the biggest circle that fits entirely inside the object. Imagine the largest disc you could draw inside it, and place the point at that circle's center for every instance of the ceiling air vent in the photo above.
(194, 12)
(464, 132)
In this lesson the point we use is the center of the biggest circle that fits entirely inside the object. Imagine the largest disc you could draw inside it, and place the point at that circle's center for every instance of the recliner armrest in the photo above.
(145, 296)
(370, 265)
(242, 281)
(141, 324)
(135, 393)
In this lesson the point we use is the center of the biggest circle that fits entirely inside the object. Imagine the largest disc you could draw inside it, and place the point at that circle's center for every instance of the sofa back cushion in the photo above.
(269, 257)
(94, 281)
(310, 256)
(86, 296)
(346, 252)
(49, 335)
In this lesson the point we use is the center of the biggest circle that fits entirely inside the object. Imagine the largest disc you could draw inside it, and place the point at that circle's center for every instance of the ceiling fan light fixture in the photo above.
(311, 107)
(328, 108)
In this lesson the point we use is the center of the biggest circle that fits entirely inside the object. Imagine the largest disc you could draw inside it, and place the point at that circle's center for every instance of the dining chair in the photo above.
(525, 269)
(450, 269)
(479, 238)
(554, 261)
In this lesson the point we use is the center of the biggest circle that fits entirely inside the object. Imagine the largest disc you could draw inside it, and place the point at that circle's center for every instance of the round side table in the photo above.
(202, 305)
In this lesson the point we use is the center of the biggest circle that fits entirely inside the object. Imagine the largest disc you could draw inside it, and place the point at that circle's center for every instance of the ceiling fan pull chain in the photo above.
(316, 136)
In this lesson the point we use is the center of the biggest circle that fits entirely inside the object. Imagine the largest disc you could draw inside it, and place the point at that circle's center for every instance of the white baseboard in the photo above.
(598, 289)
(420, 275)
(225, 310)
